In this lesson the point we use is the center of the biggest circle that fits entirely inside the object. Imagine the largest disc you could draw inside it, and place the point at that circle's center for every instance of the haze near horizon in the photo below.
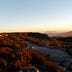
(35, 15)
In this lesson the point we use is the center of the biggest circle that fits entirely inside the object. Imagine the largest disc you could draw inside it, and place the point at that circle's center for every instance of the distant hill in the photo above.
(64, 34)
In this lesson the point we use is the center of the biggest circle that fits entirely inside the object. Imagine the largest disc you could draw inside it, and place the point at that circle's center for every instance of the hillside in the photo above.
(19, 50)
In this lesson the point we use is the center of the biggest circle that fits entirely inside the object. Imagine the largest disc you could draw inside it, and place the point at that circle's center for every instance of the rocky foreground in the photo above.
(34, 52)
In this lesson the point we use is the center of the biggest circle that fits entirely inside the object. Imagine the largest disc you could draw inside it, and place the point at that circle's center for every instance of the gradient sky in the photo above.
(35, 15)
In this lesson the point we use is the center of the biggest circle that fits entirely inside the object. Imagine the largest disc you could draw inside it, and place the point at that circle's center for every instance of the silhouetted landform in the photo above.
(19, 50)
(38, 35)
(65, 39)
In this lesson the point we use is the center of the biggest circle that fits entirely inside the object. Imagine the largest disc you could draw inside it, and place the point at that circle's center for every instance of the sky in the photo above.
(35, 15)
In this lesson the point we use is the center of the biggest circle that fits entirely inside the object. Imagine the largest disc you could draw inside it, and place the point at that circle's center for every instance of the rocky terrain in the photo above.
(34, 52)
